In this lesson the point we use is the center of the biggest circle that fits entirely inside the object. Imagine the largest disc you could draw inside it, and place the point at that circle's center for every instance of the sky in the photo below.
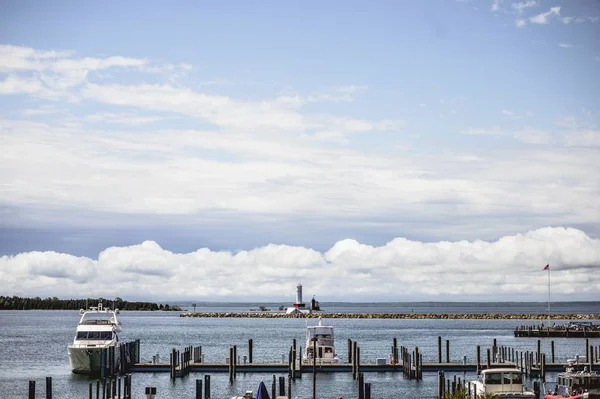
(388, 150)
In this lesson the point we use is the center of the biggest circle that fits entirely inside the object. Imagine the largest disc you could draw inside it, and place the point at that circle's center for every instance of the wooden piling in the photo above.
(314, 379)
(447, 351)
(199, 388)
(417, 364)
(250, 343)
(281, 386)
(543, 367)
(48, 387)
(230, 369)
(235, 362)
(207, 386)
(439, 349)
(274, 387)
(350, 351)
(361, 381)
(31, 389)
(587, 350)
(367, 390)
(478, 358)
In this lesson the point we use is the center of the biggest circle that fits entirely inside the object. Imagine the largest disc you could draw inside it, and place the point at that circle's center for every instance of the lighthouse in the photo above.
(298, 307)
(299, 303)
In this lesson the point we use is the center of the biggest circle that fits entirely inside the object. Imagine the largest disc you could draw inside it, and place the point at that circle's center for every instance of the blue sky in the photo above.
(270, 126)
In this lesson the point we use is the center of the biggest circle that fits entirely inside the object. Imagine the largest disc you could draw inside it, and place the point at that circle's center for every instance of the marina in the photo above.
(403, 356)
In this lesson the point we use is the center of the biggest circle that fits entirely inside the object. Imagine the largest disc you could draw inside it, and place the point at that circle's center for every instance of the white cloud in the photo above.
(483, 131)
(509, 266)
(544, 18)
(516, 115)
(15, 58)
(567, 20)
(565, 45)
(584, 138)
(520, 22)
(533, 136)
(496, 5)
(130, 119)
(519, 7)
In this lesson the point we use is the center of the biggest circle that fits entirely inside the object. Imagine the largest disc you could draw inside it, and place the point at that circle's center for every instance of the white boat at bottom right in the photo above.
(506, 383)
(576, 382)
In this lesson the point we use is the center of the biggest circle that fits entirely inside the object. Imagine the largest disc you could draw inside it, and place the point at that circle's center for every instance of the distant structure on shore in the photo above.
(299, 307)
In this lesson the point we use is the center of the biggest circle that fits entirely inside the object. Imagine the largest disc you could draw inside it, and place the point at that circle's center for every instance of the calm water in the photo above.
(33, 346)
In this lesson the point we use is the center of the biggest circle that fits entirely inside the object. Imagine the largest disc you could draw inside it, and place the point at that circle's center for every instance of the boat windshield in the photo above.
(95, 335)
(493, 378)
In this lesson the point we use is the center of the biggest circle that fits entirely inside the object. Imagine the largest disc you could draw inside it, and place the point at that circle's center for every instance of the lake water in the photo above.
(33, 346)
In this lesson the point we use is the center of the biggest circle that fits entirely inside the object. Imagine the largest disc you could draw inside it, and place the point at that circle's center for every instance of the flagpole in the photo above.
(548, 294)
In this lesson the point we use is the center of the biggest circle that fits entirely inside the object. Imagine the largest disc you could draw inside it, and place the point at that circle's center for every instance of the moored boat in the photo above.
(320, 344)
(97, 329)
(506, 383)
(576, 382)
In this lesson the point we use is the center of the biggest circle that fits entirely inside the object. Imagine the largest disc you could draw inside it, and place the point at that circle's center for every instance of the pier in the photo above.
(573, 330)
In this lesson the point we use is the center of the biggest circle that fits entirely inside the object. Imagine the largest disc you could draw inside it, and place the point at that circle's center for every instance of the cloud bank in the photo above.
(509, 268)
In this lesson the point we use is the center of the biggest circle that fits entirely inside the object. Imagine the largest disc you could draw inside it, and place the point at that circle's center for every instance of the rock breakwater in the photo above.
(490, 316)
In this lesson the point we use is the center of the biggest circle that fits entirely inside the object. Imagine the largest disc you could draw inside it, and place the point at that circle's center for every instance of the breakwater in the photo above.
(490, 316)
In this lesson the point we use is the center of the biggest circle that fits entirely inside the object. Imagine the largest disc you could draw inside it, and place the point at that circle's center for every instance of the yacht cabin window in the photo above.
(95, 335)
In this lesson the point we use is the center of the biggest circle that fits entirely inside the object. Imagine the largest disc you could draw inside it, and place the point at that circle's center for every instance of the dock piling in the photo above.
(48, 387)
(199, 388)
(250, 343)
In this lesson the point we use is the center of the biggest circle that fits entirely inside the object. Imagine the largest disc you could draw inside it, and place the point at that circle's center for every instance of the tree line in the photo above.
(18, 303)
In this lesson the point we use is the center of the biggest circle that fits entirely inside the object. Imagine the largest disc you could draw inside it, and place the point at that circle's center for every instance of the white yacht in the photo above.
(325, 349)
(97, 329)
(502, 383)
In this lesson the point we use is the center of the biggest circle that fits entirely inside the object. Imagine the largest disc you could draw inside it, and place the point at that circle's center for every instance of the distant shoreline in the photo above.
(455, 316)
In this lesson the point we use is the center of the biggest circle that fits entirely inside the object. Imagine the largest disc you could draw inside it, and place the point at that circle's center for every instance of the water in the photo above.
(33, 346)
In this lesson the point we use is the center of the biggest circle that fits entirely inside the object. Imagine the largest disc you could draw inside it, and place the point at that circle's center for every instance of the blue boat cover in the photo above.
(262, 392)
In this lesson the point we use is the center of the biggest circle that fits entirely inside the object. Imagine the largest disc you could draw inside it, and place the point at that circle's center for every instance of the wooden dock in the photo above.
(305, 368)
(553, 332)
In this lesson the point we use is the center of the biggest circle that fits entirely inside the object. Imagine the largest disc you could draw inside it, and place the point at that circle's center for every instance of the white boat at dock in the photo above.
(97, 329)
(320, 344)
(505, 383)
(576, 382)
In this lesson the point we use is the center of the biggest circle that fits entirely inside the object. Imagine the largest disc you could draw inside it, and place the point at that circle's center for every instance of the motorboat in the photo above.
(576, 382)
(320, 346)
(503, 383)
(97, 329)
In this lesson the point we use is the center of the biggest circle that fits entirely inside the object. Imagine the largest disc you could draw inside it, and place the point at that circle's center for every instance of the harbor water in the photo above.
(33, 345)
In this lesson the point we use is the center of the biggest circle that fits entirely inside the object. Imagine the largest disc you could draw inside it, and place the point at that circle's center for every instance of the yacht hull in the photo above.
(87, 360)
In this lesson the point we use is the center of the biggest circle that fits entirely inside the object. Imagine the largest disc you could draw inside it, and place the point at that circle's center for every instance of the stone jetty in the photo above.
(490, 316)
